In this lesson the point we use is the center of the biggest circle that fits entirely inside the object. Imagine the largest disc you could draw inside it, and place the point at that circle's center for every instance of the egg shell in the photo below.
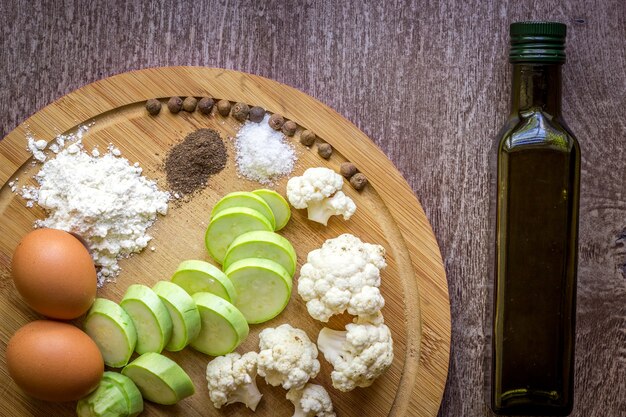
(54, 274)
(54, 361)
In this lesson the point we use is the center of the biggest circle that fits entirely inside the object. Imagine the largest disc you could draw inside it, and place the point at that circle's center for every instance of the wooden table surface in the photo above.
(428, 81)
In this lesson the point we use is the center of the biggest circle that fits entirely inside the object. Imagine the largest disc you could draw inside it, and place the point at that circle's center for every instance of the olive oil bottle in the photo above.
(536, 234)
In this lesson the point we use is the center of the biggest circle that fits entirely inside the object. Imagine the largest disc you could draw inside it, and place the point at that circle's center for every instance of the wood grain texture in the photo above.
(428, 81)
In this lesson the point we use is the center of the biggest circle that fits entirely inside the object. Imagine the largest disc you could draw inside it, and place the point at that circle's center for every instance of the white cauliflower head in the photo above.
(231, 379)
(287, 357)
(315, 184)
(311, 401)
(313, 191)
(344, 274)
(337, 205)
(359, 355)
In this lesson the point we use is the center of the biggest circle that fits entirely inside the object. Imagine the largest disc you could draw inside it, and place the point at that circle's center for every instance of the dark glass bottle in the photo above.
(536, 227)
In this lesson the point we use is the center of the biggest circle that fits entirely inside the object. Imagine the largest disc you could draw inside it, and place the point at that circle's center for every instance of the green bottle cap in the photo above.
(541, 42)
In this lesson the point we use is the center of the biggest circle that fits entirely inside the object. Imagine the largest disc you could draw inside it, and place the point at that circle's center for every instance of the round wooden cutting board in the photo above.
(414, 284)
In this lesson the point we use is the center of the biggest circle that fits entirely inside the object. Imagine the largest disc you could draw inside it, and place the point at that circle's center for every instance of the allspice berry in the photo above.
(189, 104)
(175, 104)
(153, 106)
(307, 138)
(240, 111)
(205, 105)
(347, 169)
(324, 150)
(276, 121)
(358, 181)
(256, 114)
(289, 128)
(223, 107)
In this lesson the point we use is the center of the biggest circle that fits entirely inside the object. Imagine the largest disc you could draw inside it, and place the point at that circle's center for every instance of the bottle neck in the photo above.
(537, 87)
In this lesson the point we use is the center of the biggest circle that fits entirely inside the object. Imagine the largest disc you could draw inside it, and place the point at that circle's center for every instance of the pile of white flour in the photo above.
(104, 199)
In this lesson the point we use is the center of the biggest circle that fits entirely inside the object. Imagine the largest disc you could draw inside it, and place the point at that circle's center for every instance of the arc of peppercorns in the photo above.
(241, 111)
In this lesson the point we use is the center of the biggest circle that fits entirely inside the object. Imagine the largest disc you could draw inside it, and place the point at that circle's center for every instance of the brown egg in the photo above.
(54, 274)
(54, 361)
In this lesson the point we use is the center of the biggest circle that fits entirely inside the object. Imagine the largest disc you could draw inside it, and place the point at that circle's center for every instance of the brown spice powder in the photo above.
(189, 164)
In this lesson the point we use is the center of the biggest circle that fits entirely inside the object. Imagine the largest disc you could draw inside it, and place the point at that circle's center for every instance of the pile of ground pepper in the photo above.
(190, 164)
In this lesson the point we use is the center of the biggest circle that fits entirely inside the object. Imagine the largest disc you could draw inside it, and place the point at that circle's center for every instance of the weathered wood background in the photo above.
(427, 81)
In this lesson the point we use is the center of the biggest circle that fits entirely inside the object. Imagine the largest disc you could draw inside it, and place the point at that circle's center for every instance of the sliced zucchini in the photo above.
(129, 389)
(113, 330)
(159, 379)
(245, 199)
(198, 276)
(263, 288)
(150, 317)
(183, 312)
(230, 223)
(223, 326)
(107, 400)
(265, 245)
(279, 206)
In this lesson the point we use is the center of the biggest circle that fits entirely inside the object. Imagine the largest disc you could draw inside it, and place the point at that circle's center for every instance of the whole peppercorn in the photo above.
(324, 150)
(289, 128)
(153, 106)
(358, 181)
(347, 169)
(276, 121)
(175, 104)
(189, 104)
(240, 111)
(257, 114)
(205, 105)
(223, 107)
(307, 138)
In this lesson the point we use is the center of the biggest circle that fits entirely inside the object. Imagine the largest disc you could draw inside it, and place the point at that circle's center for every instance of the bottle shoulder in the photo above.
(535, 128)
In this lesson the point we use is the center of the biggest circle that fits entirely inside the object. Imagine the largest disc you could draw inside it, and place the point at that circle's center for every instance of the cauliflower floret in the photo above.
(337, 205)
(311, 401)
(376, 319)
(313, 191)
(359, 355)
(287, 357)
(344, 274)
(315, 184)
(231, 379)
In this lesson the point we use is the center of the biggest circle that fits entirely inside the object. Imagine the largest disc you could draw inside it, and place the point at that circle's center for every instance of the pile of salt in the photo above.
(263, 154)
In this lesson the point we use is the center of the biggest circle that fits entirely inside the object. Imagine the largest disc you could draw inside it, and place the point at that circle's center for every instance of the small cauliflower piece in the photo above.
(359, 355)
(231, 379)
(311, 401)
(344, 274)
(313, 191)
(315, 184)
(287, 357)
(337, 205)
